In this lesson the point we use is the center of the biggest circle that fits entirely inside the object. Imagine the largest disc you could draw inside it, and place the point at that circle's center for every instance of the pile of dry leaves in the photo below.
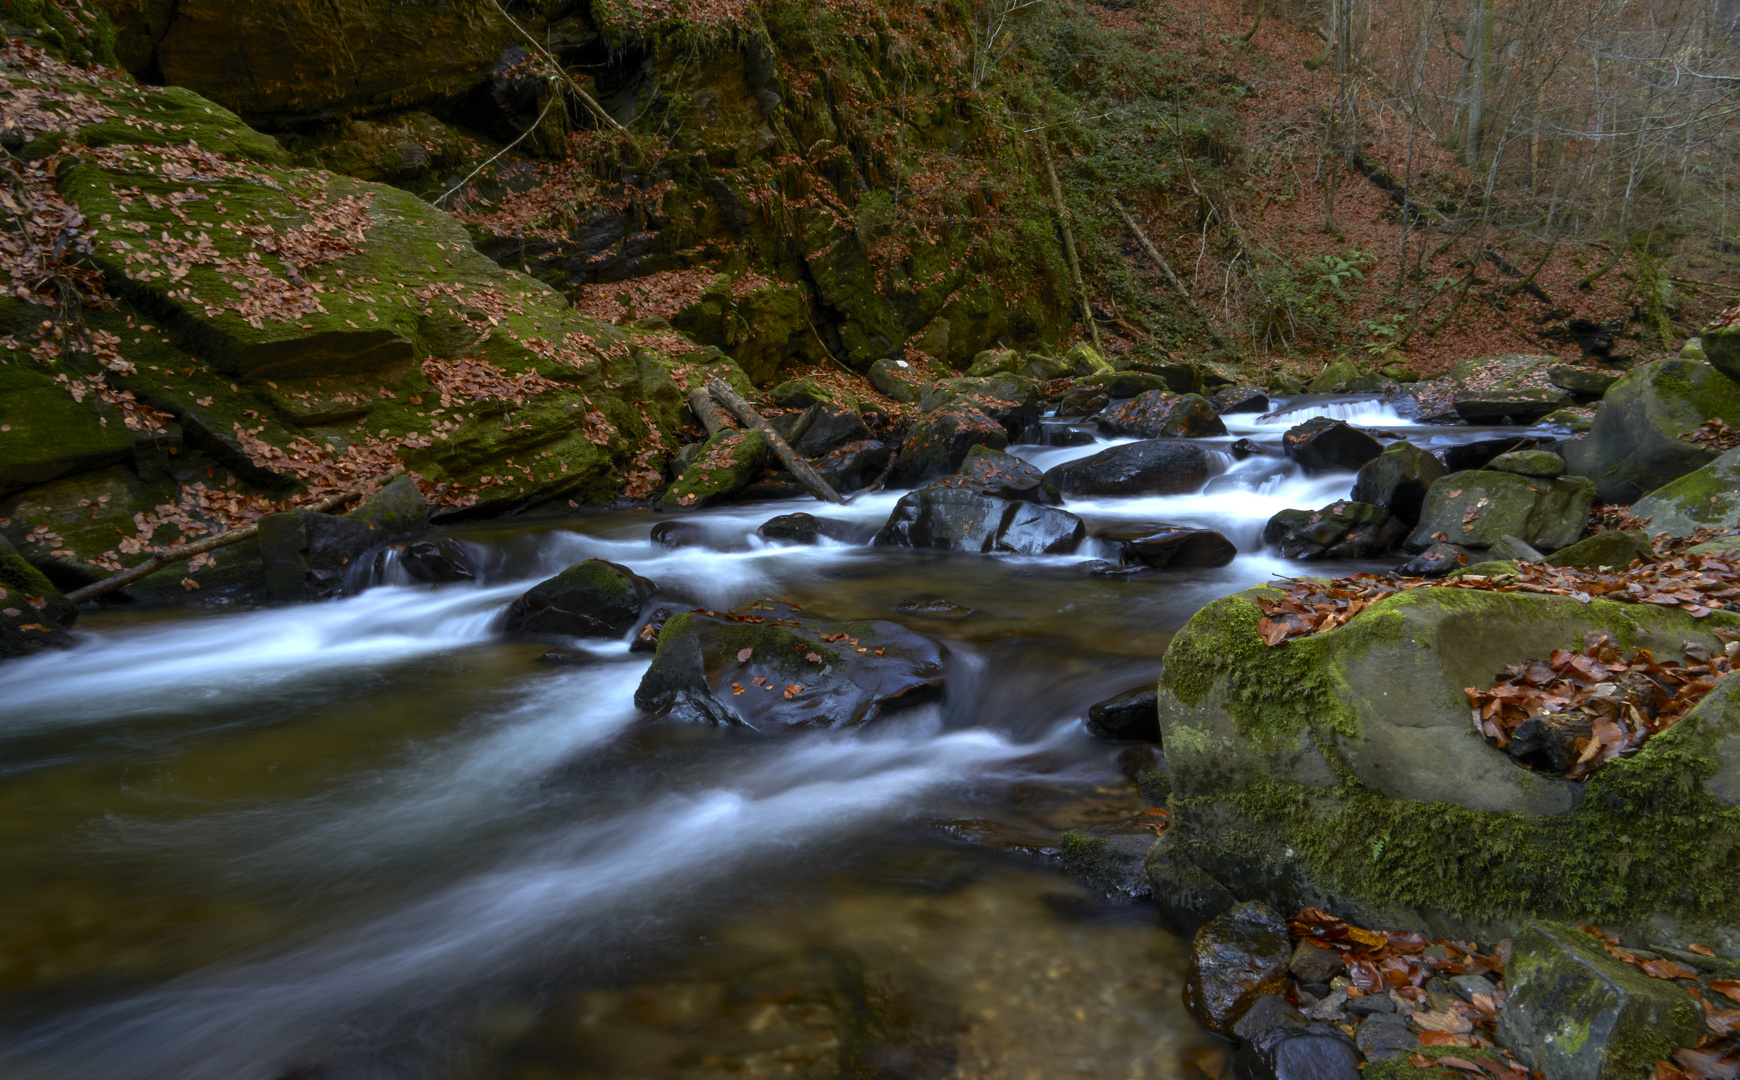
(1575, 711)
(1713, 434)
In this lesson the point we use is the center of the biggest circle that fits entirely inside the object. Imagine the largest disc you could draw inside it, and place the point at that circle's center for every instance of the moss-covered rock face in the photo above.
(33, 613)
(1634, 446)
(1706, 496)
(1477, 508)
(1342, 770)
(1575, 1013)
(1334, 377)
(728, 462)
(1614, 548)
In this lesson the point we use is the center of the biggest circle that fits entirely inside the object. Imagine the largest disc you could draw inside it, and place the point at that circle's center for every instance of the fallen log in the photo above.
(1166, 270)
(211, 543)
(748, 417)
(706, 410)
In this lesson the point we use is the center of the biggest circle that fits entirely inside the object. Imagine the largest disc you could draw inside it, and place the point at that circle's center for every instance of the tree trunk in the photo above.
(1087, 312)
(745, 412)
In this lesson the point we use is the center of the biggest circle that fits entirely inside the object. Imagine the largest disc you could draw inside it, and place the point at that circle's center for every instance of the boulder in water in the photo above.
(1398, 480)
(726, 464)
(306, 556)
(33, 613)
(1435, 561)
(960, 519)
(1107, 859)
(938, 441)
(594, 598)
(439, 561)
(1129, 716)
(1640, 438)
(395, 511)
(1081, 402)
(1128, 384)
(1173, 547)
(829, 427)
(1160, 415)
(993, 472)
(801, 528)
(1324, 445)
(766, 667)
(1518, 406)
(1151, 467)
(1235, 959)
(1476, 455)
(1298, 1051)
(1341, 530)
(1476, 509)
(1240, 399)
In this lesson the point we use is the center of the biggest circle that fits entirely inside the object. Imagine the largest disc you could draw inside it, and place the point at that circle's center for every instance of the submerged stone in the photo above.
(1130, 716)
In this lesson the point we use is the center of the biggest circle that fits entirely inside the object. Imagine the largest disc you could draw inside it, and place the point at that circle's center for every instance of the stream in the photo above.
(373, 840)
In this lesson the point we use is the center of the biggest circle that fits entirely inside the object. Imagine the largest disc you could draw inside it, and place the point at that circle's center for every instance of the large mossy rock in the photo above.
(593, 598)
(726, 464)
(1477, 509)
(1635, 445)
(1150, 467)
(1707, 496)
(1010, 400)
(33, 613)
(939, 440)
(1341, 770)
(1576, 1013)
(762, 667)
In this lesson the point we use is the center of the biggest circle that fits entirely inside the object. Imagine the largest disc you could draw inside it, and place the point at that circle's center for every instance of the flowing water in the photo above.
(371, 839)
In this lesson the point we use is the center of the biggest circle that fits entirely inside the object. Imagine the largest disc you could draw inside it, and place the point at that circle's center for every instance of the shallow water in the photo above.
(371, 839)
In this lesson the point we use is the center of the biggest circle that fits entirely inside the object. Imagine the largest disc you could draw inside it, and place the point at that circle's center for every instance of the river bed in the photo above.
(372, 839)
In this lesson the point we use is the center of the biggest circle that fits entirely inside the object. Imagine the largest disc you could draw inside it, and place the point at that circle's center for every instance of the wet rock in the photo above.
(1081, 402)
(438, 562)
(1235, 959)
(1240, 399)
(1512, 549)
(1186, 894)
(1435, 562)
(1341, 530)
(646, 639)
(1398, 480)
(1314, 963)
(1634, 446)
(1152, 467)
(1269, 1011)
(1584, 381)
(1475, 455)
(1160, 415)
(1576, 1013)
(899, 380)
(395, 511)
(1519, 406)
(1466, 986)
(594, 598)
(958, 519)
(854, 466)
(753, 668)
(1049, 434)
(674, 535)
(1477, 509)
(33, 613)
(1244, 448)
(1004, 476)
(1173, 547)
(1707, 496)
(307, 556)
(1615, 548)
(828, 428)
(1130, 715)
(933, 607)
(1297, 1052)
(938, 442)
(1324, 445)
(1010, 400)
(726, 464)
(1107, 859)
(1385, 1036)
(801, 528)
(1542, 463)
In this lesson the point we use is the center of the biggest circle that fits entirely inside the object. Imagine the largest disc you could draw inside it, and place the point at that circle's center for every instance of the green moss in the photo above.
(1402, 1068)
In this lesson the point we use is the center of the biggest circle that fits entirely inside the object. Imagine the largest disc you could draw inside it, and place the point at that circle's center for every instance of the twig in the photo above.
(591, 104)
(536, 124)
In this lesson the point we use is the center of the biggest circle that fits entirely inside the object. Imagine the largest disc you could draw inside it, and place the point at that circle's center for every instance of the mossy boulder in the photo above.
(1614, 548)
(994, 362)
(764, 667)
(1575, 1013)
(1011, 400)
(938, 442)
(33, 613)
(1084, 361)
(1476, 508)
(1721, 347)
(394, 512)
(1334, 378)
(1107, 859)
(593, 598)
(802, 393)
(1523, 405)
(1635, 444)
(726, 464)
(1542, 463)
(1119, 385)
(1398, 480)
(898, 379)
(1706, 496)
(50, 434)
(1341, 770)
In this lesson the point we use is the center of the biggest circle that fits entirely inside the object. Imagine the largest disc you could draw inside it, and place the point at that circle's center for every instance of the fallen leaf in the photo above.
(1666, 969)
(1729, 987)
(743, 655)
(1459, 1063)
(1451, 1022)
(736, 688)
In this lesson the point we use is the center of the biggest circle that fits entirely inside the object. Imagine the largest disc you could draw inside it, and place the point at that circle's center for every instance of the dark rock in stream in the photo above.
(933, 607)
(764, 667)
(1297, 1051)
(1435, 561)
(1081, 403)
(306, 556)
(1131, 715)
(829, 428)
(938, 442)
(1160, 415)
(1004, 476)
(437, 562)
(958, 519)
(646, 639)
(1341, 530)
(1174, 547)
(1107, 859)
(1476, 455)
(801, 528)
(1324, 445)
(1151, 467)
(855, 465)
(33, 613)
(1398, 480)
(1240, 399)
(1235, 959)
(594, 598)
